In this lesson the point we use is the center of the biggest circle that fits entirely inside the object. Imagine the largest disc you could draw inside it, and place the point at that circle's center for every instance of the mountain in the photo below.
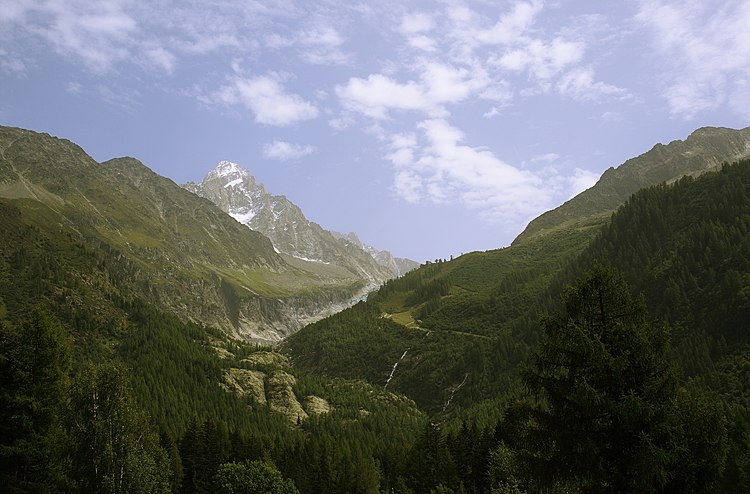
(236, 191)
(397, 265)
(704, 150)
(468, 323)
(125, 301)
(180, 251)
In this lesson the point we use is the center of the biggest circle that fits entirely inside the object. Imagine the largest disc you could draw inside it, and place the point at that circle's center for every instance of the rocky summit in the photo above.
(235, 190)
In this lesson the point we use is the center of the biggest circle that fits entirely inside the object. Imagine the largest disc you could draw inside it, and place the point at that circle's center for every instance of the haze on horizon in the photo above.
(429, 129)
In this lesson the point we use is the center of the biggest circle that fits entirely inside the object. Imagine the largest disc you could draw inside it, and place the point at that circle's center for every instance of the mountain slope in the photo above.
(236, 191)
(484, 307)
(185, 254)
(186, 376)
(704, 150)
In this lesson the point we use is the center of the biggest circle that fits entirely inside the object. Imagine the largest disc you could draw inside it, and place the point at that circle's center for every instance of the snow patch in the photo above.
(243, 217)
(226, 168)
(310, 260)
(233, 183)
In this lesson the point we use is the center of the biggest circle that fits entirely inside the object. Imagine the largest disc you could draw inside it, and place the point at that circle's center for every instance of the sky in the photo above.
(429, 128)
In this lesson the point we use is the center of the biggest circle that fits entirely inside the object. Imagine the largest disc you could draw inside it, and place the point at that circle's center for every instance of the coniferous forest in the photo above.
(611, 356)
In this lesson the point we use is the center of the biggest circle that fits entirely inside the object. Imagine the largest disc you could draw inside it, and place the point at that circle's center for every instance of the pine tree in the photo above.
(602, 371)
(34, 366)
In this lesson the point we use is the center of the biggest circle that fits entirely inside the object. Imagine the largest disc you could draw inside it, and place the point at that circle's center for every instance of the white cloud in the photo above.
(378, 93)
(611, 116)
(15, 10)
(73, 87)
(440, 169)
(403, 147)
(285, 151)
(341, 122)
(201, 44)
(541, 59)
(492, 112)
(100, 34)
(478, 57)
(512, 26)
(161, 58)
(580, 84)
(319, 44)
(415, 27)
(10, 63)
(266, 98)
(108, 34)
(435, 166)
(417, 23)
(545, 158)
(439, 84)
(706, 50)
(408, 186)
(447, 84)
(424, 43)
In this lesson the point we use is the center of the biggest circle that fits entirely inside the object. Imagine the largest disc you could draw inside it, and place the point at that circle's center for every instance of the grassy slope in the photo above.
(704, 150)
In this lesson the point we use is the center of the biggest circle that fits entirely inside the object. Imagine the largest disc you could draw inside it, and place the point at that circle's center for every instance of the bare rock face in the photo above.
(315, 405)
(268, 358)
(398, 265)
(244, 382)
(281, 397)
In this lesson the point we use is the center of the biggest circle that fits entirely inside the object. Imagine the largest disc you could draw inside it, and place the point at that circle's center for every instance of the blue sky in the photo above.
(429, 128)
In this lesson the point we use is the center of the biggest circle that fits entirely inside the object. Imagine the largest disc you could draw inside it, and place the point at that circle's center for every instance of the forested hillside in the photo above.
(78, 358)
(685, 246)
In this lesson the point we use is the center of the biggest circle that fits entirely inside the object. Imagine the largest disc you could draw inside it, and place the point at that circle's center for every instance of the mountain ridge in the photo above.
(705, 149)
(236, 191)
(188, 256)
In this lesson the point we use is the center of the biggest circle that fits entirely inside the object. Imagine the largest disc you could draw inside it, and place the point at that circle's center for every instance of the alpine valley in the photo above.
(210, 338)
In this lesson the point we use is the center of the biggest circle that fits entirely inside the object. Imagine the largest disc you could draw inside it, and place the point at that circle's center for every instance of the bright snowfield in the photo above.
(429, 128)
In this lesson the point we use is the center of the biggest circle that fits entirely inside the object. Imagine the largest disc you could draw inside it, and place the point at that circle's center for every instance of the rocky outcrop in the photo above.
(244, 382)
(281, 397)
(315, 405)
(270, 383)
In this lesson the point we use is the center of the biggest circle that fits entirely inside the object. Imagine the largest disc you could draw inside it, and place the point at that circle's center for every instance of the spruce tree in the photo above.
(34, 366)
(608, 390)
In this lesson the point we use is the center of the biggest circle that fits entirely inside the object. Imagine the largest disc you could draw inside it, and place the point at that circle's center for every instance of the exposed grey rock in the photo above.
(236, 191)
(397, 265)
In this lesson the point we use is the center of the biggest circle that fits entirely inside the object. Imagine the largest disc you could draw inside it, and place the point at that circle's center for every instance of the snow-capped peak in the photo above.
(228, 169)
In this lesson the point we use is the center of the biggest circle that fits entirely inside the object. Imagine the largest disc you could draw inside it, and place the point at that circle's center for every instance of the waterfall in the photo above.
(394, 369)
(453, 392)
